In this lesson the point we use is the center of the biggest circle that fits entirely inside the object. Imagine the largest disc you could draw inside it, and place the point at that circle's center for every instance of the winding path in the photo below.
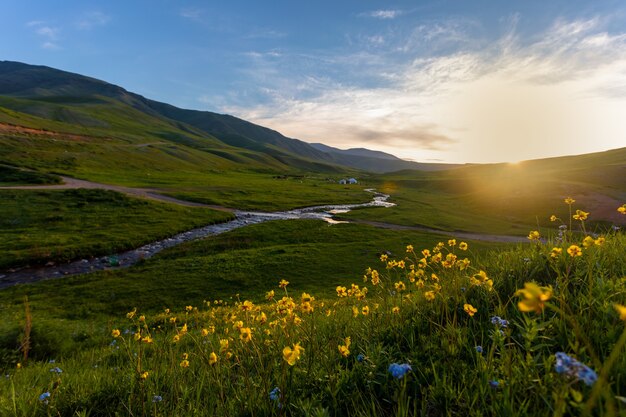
(242, 218)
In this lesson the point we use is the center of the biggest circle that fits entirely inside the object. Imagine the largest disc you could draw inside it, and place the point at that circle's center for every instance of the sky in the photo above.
(430, 81)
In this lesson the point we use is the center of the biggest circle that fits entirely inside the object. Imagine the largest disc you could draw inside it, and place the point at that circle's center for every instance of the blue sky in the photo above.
(454, 81)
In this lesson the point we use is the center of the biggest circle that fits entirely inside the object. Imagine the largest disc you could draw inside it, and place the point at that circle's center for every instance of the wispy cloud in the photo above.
(192, 13)
(383, 14)
(49, 35)
(514, 99)
(92, 19)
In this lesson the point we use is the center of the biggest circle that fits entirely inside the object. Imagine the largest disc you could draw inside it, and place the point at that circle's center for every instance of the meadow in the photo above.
(383, 323)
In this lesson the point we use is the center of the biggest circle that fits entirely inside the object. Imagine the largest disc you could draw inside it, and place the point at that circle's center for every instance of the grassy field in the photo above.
(11, 176)
(41, 226)
(329, 355)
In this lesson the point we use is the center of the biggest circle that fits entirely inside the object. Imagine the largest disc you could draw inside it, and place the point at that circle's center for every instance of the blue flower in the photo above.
(479, 349)
(57, 370)
(399, 370)
(569, 366)
(44, 397)
(51, 361)
(360, 357)
(157, 399)
(496, 320)
(494, 384)
(275, 394)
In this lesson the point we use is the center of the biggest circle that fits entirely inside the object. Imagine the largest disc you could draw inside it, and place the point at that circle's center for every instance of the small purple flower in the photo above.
(56, 370)
(399, 370)
(494, 384)
(479, 349)
(500, 322)
(45, 397)
(157, 399)
(275, 394)
(569, 366)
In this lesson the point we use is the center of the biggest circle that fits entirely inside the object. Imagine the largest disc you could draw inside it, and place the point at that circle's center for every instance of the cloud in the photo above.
(48, 34)
(383, 14)
(191, 13)
(91, 20)
(560, 92)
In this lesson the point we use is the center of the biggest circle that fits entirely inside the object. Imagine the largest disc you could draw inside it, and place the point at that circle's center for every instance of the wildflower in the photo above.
(360, 357)
(157, 399)
(345, 348)
(534, 235)
(481, 279)
(245, 334)
(573, 368)
(212, 358)
(452, 242)
(383, 257)
(553, 218)
(56, 370)
(275, 394)
(147, 339)
(176, 338)
(144, 375)
(183, 330)
(494, 384)
(580, 215)
(341, 291)
(292, 355)
(365, 310)
(621, 310)
(375, 278)
(188, 308)
(355, 311)
(223, 345)
(167, 311)
(399, 370)
(142, 318)
(479, 349)
(556, 252)
(247, 306)
(429, 295)
(400, 286)
(131, 314)
(463, 246)
(534, 297)
(395, 310)
(469, 309)
(622, 209)
(185, 355)
(496, 320)
(409, 248)
(172, 320)
(283, 283)
(44, 398)
(18, 366)
(569, 201)
(600, 241)
(184, 363)
(269, 295)
(574, 251)
(588, 242)
(137, 336)
(115, 333)
(205, 332)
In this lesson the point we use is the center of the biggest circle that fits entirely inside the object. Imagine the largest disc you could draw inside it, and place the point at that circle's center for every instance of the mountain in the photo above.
(72, 103)
(376, 161)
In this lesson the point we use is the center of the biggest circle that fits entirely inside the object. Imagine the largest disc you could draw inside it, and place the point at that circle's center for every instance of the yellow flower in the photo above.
(600, 241)
(429, 295)
(185, 355)
(400, 286)
(283, 283)
(375, 278)
(621, 310)
(469, 309)
(142, 318)
(345, 348)
(588, 242)
(167, 311)
(184, 363)
(223, 345)
(365, 310)
(183, 330)
(147, 339)
(426, 253)
(556, 252)
(553, 218)
(189, 308)
(341, 291)
(18, 366)
(401, 264)
(409, 248)
(383, 258)
(212, 358)
(574, 250)
(115, 333)
(534, 297)
(144, 375)
(395, 310)
(622, 209)
(137, 336)
(247, 305)
(131, 314)
(261, 318)
(463, 246)
(306, 307)
(569, 201)
(307, 298)
(269, 295)
(176, 338)
(580, 215)
(452, 242)
(172, 320)
(292, 355)
(205, 332)
(534, 235)
(355, 311)
(245, 334)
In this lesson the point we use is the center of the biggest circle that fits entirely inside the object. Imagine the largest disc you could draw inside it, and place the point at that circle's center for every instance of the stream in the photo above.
(125, 259)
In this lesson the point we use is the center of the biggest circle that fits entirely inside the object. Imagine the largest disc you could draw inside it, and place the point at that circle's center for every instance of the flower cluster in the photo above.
(398, 370)
(571, 367)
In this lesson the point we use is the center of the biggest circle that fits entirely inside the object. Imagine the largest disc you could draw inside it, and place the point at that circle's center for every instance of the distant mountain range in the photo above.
(44, 97)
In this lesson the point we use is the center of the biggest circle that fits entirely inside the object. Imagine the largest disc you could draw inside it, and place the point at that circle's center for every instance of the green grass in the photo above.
(437, 338)
(12, 176)
(41, 226)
